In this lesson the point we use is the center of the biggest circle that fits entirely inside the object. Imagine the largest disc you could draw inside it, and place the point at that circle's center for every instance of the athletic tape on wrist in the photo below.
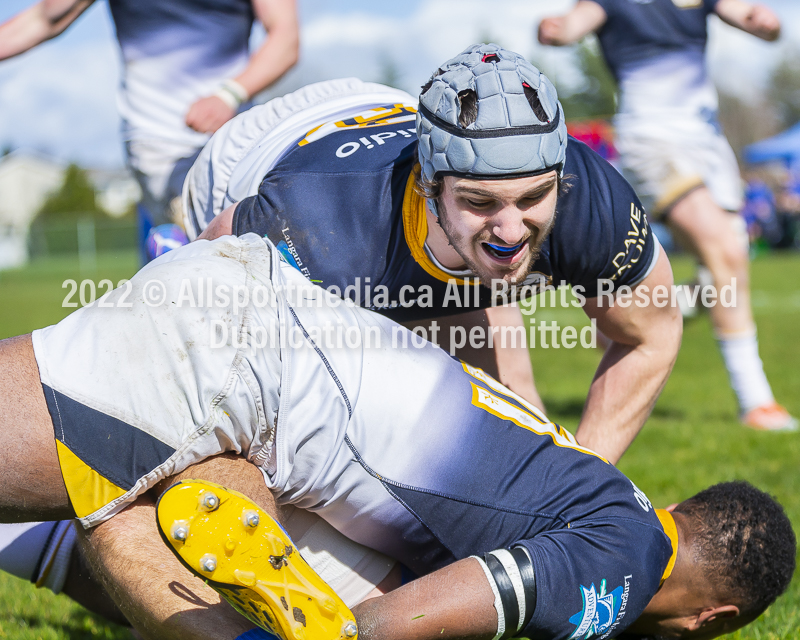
(232, 93)
(257, 634)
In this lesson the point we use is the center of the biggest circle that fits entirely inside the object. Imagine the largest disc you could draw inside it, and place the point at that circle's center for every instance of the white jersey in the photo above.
(175, 52)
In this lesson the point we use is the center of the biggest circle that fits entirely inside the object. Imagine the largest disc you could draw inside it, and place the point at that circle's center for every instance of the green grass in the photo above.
(692, 440)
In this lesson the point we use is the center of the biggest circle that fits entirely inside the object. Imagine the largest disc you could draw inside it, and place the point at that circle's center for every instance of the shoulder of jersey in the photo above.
(366, 139)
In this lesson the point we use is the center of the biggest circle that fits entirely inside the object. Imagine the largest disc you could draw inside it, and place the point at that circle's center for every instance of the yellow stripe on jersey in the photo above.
(486, 400)
(377, 117)
(668, 523)
(494, 385)
(88, 490)
(415, 226)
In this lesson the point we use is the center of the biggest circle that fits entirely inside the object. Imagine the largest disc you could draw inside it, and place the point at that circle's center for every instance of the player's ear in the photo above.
(671, 507)
(713, 617)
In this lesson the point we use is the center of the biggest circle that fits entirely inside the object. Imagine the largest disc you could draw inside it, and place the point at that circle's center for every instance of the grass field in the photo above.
(692, 440)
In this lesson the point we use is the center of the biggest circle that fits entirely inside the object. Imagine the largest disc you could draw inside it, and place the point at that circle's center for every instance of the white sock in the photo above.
(38, 551)
(746, 371)
(54, 566)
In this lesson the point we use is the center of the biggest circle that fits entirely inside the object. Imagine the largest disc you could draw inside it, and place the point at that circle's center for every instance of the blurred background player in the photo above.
(673, 152)
(186, 71)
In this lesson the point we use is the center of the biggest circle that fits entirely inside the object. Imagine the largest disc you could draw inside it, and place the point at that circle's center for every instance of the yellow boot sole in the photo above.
(241, 552)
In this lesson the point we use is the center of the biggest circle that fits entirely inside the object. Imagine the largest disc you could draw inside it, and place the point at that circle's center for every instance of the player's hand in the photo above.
(208, 114)
(762, 22)
(551, 31)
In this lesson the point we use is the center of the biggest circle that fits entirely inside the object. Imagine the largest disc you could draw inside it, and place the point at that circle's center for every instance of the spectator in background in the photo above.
(759, 213)
(674, 154)
(187, 71)
(788, 211)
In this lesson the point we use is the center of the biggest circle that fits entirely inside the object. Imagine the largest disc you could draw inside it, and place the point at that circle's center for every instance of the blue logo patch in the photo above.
(287, 253)
(599, 611)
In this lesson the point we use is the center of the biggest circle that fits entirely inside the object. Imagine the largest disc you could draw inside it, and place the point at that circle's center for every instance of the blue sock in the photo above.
(257, 634)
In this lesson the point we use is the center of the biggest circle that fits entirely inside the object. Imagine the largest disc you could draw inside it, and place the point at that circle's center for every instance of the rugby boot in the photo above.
(240, 551)
(770, 417)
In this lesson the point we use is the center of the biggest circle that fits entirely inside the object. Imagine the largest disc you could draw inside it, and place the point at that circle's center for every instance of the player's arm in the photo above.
(38, 23)
(275, 57)
(221, 225)
(584, 18)
(645, 338)
(755, 19)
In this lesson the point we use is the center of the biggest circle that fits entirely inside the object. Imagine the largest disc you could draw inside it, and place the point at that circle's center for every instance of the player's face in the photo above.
(498, 226)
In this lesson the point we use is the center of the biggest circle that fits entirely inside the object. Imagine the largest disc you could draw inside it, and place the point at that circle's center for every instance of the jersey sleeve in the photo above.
(594, 581)
(250, 217)
(607, 5)
(602, 231)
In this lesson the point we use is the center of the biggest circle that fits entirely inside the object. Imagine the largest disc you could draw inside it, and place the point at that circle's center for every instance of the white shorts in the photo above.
(234, 162)
(139, 384)
(664, 163)
(352, 570)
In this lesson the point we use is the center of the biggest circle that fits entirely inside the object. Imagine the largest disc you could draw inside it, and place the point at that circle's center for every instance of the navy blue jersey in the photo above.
(429, 460)
(344, 210)
(638, 30)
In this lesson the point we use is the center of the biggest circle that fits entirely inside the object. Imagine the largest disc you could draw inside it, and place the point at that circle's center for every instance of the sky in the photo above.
(59, 98)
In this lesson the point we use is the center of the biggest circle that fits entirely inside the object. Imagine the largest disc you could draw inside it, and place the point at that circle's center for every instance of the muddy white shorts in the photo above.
(664, 162)
(234, 162)
(141, 384)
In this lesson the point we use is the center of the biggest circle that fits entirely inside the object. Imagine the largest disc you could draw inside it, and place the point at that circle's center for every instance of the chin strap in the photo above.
(432, 206)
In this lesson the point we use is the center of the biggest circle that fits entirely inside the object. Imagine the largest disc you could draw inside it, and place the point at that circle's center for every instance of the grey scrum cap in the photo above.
(489, 113)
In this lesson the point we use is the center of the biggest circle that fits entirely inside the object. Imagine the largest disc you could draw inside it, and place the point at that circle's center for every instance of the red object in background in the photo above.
(598, 134)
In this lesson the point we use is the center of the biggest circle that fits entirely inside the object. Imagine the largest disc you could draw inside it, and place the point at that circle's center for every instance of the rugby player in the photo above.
(334, 175)
(673, 152)
(514, 527)
(187, 70)
(362, 223)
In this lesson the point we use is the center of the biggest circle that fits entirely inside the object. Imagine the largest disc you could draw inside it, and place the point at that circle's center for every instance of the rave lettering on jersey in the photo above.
(634, 242)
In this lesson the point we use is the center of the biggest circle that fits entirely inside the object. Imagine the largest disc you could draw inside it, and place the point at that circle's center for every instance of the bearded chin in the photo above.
(458, 242)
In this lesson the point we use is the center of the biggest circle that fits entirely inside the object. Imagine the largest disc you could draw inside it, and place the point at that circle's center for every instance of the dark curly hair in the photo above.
(744, 541)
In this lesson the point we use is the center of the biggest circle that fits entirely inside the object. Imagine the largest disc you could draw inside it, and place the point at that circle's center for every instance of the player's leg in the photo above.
(715, 237)
(164, 600)
(31, 486)
(158, 596)
(712, 234)
(457, 598)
